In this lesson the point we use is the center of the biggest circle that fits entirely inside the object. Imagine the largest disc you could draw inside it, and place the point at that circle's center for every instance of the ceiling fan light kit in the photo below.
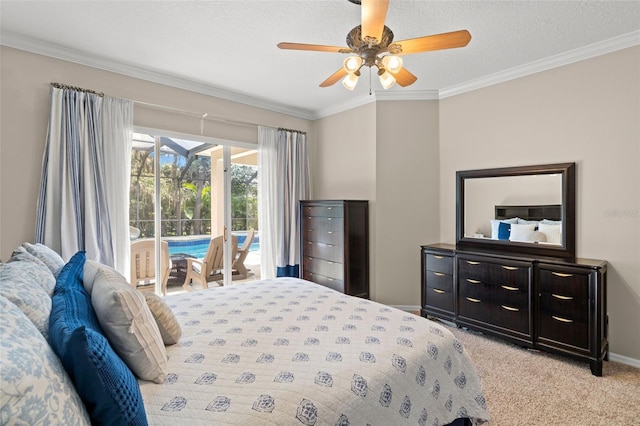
(371, 44)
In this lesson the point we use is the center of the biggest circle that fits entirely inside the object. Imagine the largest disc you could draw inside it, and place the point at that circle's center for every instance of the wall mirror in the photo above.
(528, 209)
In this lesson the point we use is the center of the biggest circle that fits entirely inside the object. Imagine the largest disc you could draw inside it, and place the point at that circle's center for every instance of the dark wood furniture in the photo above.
(552, 304)
(334, 244)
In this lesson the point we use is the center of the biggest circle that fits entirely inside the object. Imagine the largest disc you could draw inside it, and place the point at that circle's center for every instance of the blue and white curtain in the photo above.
(284, 181)
(83, 202)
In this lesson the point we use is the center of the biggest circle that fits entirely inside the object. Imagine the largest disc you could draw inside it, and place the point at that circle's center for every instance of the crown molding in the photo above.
(59, 52)
(566, 58)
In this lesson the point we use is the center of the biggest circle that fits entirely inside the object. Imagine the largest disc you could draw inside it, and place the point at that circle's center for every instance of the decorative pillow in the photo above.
(49, 257)
(552, 232)
(35, 387)
(20, 283)
(528, 222)
(167, 323)
(522, 232)
(106, 385)
(504, 230)
(538, 237)
(129, 325)
(495, 223)
(48, 281)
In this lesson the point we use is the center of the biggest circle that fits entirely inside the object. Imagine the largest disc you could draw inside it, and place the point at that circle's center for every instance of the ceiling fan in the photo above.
(371, 44)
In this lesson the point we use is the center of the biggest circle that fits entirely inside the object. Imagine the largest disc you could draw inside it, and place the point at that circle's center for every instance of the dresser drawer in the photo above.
(439, 280)
(439, 263)
(322, 211)
(505, 273)
(564, 330)
(332, 283)
(568, 284)
(323, 236)
(322, 223)
(440, 299)
(323, 267)
(495, 294)
(504, 316)
(324, 251)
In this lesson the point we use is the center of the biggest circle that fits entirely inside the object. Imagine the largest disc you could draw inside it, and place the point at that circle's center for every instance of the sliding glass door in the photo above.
(182, 194)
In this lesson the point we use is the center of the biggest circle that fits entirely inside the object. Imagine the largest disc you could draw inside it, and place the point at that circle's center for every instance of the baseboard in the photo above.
(612, 357)
(407, 308)
(624, 360)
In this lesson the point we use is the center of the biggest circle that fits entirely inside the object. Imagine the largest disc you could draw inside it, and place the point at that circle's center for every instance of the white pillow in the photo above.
(522, 232)
(129, 325)
(495, 223)
(553, 233)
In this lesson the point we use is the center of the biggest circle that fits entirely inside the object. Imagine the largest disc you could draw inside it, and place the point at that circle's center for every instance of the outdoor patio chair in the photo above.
(239, 270)
(210, 267)
(143, 264)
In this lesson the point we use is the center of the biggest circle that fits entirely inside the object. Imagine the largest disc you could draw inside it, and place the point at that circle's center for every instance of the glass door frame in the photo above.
(226, 146)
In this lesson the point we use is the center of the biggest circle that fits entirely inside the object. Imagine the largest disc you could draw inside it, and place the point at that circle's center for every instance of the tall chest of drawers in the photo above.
(552, 304)
(334, 244)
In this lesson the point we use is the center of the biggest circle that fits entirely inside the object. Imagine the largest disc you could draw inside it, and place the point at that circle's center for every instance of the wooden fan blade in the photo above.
(374, 13)
(334, 78)
(404, 78)
(314, 47)
(435, 42)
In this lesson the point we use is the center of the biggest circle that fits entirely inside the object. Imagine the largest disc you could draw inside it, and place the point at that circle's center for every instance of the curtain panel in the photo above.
(284, 181)
(83, 201)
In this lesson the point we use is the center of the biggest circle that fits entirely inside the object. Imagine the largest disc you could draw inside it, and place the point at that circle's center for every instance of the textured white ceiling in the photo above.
(231, 45)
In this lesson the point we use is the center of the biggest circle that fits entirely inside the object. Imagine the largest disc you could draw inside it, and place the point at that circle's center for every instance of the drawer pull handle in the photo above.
(561, 319)
(438, 257)
(438, 274)
(330, 279)
(509, 308)
(329, 218)
(506, 287)
(558, 274)
(329, 208)
(330, 262)
(471, 299)
(473, 281)
(329, 232)
(557, 296)
(509, 268)
(438, 290)
(472, 263)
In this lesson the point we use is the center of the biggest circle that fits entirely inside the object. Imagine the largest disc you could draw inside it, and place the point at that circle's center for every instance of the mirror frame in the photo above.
(567, 249)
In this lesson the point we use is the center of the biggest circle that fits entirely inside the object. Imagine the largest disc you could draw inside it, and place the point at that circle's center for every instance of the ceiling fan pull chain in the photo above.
(370, 81)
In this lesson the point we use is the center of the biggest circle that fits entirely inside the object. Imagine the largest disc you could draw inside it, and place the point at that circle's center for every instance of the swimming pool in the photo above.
(197, 247)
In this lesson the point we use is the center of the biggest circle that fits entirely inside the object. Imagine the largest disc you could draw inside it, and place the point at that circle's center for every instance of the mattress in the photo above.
(290, 352)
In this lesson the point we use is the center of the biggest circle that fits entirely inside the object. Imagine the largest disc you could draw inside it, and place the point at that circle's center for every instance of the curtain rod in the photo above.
(79, 89)
(201, 115)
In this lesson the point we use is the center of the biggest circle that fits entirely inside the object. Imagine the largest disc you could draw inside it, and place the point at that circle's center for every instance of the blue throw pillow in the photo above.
(504, 230)
(105, 384)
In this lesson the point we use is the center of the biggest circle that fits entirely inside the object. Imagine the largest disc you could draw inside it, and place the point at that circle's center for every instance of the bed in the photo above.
(81, 345)
(288, 351)
(540, 224)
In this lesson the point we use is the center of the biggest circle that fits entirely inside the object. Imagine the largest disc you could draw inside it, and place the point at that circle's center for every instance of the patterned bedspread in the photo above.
(291, 352)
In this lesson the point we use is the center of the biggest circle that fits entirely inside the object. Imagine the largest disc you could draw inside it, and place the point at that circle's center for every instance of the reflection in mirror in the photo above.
(521, 194)
(528, 209)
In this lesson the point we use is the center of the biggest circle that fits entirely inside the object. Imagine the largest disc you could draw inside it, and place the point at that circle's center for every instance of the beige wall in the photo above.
(343, 164)
(25, 83)
(407, 187)
(588, 113)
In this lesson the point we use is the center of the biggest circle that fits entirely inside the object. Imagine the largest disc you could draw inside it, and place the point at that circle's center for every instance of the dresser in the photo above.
(552, 304)
(334, 244)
